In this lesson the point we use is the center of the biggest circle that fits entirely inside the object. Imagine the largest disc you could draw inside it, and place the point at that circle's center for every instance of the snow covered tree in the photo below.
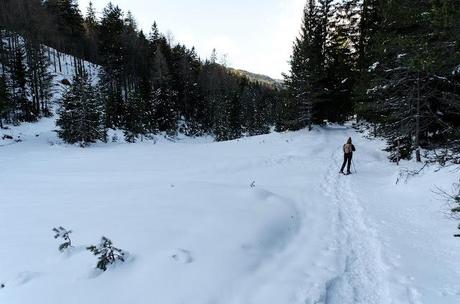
(81, 114)
(107, 253)
(456, 200)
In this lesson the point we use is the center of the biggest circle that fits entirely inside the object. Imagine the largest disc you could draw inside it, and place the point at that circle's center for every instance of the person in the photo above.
(348, 150)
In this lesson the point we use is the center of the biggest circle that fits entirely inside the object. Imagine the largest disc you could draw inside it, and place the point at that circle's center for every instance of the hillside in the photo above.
(266, 80)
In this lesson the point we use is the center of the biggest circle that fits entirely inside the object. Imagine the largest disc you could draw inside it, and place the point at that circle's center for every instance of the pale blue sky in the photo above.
(256, 35)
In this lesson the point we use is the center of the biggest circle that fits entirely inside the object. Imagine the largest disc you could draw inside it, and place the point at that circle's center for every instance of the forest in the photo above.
(146, 83)
(392, 67)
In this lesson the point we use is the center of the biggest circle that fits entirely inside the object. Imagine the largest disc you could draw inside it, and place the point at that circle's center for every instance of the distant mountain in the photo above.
(263, 79)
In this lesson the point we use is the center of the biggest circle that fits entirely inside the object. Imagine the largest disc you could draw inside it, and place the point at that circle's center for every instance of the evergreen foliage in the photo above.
(5, 100)
(413, 88)
(321, 76)
(393, 63)
(107, 253)
(147, 85)
(63, 234)
(81, 115)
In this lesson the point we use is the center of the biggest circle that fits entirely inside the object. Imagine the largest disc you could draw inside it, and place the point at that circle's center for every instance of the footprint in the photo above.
(182, 256)
(25, 277)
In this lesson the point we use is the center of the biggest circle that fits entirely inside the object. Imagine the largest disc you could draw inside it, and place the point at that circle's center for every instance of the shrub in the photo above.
(107, 254)
(64, 234)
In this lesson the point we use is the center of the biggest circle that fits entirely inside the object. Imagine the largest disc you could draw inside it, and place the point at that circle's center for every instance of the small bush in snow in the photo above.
(454, 201)
(405, 174)
(63, 234)
(107, 254)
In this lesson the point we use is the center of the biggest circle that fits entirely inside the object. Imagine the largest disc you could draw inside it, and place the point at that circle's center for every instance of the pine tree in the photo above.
(81, 114)
(213, 59)
(134, 124)
(111, 52)
(39, 78)
(107, 254)
(164, 95)
(412, 81)
(5, 100)
(19, 84)
(91, 26)
(90, 17)
(305, 68)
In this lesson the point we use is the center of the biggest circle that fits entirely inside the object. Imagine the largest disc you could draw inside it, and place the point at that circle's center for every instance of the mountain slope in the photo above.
(263, 79)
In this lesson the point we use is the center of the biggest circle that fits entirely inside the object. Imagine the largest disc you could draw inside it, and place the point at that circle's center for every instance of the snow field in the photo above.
(198, 232)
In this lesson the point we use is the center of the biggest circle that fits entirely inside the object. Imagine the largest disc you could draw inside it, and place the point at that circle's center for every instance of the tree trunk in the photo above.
(417, 124)
(59, 61)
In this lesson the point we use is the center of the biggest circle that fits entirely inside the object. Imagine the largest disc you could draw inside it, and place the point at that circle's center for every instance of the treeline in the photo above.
(146, 83)
(393, 64)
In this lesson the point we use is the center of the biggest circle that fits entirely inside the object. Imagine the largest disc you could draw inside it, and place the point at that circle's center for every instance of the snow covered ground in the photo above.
(198, 232)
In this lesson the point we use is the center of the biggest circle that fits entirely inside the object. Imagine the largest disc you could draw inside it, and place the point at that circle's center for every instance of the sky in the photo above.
(254, 35)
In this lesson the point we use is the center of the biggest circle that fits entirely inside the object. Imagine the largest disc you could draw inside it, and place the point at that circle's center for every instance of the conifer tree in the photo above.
(134, 125)
(412, 83)
(81, 114)
(111, 52)
(305, 68)
(5, 100)
(19, 84)
(91, 26)
(39, 78)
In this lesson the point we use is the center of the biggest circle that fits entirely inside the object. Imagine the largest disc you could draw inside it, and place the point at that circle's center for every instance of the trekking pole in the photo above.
(354, 168)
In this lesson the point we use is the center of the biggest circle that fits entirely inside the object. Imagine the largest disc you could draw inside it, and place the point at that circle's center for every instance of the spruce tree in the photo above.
(5, 100)
(111, 51)
(91, 26)
(19, 84)
(39, 78)
(411, 82)
(81, 114)
(304, 72)
(134, 124)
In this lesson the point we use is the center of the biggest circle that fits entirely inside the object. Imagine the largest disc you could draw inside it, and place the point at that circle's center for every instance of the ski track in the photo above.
(348, 264)
(363, 274)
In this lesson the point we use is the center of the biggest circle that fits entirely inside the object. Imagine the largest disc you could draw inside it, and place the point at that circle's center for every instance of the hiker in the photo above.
(348, 150)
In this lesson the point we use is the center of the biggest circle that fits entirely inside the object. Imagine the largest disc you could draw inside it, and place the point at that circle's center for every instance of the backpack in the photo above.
(348, 148)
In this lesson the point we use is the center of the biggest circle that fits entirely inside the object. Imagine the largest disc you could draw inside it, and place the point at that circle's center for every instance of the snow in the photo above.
(456, 70)
(373, 66)
(264, 219)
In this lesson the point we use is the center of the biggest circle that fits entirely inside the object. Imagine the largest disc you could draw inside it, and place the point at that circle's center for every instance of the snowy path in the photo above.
(333, 261)
(198, 232)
